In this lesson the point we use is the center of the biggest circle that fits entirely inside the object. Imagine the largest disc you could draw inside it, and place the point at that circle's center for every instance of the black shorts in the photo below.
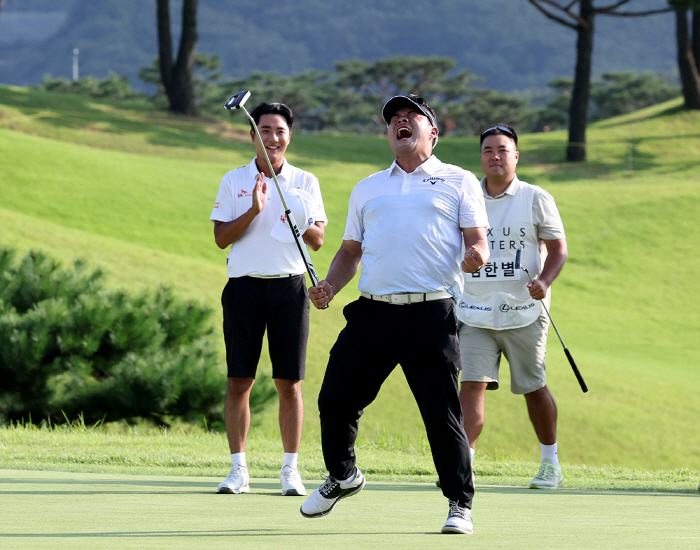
(252, 305)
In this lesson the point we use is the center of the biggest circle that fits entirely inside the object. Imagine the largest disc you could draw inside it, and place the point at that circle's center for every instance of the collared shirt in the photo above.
(539, 212)
(409, 226)
(256, 252)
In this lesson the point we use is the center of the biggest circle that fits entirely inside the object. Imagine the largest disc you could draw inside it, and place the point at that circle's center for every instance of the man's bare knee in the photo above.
(288, 390)
(238, 388)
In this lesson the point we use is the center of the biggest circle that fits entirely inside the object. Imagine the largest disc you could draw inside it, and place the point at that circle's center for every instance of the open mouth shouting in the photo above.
(404, 132)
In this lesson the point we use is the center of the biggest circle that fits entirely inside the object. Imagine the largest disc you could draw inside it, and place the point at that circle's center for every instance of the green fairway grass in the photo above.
(105, 511)
(132, 189)
(187, 450)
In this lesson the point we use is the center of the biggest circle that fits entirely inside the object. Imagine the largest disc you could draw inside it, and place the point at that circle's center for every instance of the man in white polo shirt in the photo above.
(407, 226)
(501, 311)
(266, 288)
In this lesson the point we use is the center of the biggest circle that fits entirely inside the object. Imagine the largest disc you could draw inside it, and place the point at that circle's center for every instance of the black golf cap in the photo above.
(401, 101)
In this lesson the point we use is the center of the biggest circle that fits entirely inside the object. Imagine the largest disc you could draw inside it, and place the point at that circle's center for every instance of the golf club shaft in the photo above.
(577, 373)
(292, 222)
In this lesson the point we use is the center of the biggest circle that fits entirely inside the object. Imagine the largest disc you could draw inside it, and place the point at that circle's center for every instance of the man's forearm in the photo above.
(226, 233)
(556, 257)
(344, 267)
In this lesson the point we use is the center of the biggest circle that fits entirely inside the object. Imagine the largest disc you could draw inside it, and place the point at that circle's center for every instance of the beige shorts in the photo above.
(524, 348)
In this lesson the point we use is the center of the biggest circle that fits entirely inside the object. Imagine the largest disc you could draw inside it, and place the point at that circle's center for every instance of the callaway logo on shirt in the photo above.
(433, 181)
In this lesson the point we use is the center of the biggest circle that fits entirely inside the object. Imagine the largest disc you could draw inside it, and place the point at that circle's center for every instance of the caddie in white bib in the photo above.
(497, 296)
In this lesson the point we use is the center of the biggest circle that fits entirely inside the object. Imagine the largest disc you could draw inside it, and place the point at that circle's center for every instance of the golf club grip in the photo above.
(302, 248)
(581, 382)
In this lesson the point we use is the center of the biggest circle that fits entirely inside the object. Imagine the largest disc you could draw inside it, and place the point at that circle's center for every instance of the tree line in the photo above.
(347, 97)
(185, 77)
(578, 15)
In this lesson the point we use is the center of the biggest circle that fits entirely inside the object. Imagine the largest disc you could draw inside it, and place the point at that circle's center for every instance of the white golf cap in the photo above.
(303, 208)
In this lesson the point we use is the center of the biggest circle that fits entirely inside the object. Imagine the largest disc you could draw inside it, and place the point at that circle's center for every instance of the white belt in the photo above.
(406, 298)
(281, 275)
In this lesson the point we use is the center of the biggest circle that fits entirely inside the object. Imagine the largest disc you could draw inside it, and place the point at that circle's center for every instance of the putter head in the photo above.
(236, 101)
(518, 258)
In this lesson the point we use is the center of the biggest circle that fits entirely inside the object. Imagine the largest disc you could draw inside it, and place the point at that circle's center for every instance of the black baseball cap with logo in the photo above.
(401, 101)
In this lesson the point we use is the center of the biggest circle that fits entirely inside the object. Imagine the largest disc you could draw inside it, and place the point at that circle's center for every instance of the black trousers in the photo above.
(422, 338)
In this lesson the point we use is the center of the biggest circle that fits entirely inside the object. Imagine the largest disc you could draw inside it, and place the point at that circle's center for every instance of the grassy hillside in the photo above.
(132, 190)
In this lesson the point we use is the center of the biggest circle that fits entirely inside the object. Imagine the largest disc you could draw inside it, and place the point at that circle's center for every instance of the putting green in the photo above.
(41, 509)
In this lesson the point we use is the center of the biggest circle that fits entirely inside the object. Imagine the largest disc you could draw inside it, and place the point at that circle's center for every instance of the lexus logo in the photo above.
(505, 307)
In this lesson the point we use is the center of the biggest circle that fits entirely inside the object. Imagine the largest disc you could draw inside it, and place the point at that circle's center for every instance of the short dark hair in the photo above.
(272, 109)
(499, 130)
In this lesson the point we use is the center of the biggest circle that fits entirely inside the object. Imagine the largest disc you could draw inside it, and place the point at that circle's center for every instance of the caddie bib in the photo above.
(497, 296)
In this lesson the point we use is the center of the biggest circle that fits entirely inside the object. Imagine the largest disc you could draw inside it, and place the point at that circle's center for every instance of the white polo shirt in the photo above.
(409, 226)
(257, 253)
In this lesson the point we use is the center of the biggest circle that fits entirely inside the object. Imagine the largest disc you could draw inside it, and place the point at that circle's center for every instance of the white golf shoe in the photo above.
(237, 481)
(549, 476)
(291, 482)
(459, 520)
(322, 501)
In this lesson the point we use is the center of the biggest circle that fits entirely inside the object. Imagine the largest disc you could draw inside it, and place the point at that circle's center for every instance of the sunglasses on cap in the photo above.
(501, 128)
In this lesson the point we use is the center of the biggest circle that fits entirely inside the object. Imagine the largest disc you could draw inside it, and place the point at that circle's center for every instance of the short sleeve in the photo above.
(224, 207)
(472, 207)
(354, 228)
(314, 189)
(546, 215)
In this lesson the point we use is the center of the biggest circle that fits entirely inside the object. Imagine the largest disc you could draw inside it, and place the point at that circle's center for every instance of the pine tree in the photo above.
(70, 346)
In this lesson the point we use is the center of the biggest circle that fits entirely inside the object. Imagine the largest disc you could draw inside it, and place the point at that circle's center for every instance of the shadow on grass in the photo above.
(564, 492)
(272, 487)
(133, 482)
(209, 533)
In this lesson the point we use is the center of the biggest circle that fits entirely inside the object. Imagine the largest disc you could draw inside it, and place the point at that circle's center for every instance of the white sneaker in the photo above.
(322, 501)
(236, 482)
(549, 476)
(459, 520)
(291, 482)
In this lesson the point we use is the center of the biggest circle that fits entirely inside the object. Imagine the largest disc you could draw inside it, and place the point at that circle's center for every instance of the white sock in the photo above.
(238, 459)
(290, 459)
(472, 452)
(550, 452)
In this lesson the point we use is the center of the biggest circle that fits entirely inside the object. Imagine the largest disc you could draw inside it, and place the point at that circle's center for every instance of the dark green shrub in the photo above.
(70, 346)
(113, 87)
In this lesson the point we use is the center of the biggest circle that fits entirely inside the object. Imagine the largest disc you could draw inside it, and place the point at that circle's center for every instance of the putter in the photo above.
(237, 101)
(518, 265)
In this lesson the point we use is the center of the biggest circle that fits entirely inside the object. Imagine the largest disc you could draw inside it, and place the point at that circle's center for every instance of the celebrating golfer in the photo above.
(500, 311)
(266, 288)
(406, 225)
